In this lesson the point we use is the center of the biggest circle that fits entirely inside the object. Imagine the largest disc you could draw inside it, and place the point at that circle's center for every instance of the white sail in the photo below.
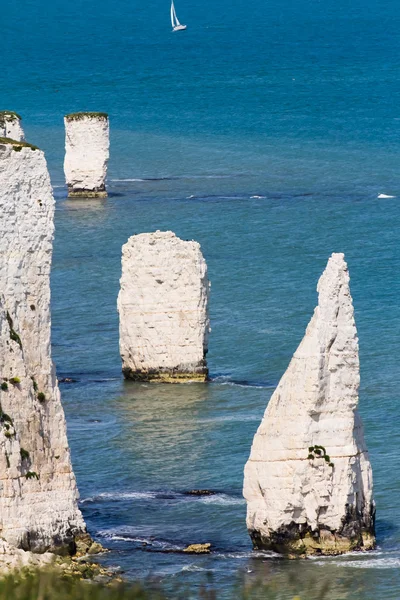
(174, 19)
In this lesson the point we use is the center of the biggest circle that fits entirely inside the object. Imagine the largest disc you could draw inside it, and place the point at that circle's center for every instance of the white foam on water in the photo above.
(129, 179)
(379, 562)
(355, 553)
(120, 496)
(257, 197)
(195, 568)
(118, 535)
(222, 499)
(206, 176)
(242, 385)
(229, 419)
(385, 196)
(225, 380)
(247, 555)
(215, 498)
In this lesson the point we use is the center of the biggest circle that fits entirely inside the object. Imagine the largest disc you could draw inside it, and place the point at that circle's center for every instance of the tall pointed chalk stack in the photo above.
(10, 126)
(163, 309)
(86, 154)
(38, 493)
(308, 481)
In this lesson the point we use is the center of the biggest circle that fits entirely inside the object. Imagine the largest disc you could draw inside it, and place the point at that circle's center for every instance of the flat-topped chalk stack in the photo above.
(163, 309)
(86, 154)
(308, 481)
(38, 493)
(10, 126)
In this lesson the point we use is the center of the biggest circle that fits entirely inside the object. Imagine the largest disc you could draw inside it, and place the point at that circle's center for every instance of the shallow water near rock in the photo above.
(266, 133)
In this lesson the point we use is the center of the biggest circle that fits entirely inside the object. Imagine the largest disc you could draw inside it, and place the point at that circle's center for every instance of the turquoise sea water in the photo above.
(266, 132)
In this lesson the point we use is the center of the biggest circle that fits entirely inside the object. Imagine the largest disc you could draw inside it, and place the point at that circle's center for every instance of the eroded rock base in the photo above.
(87, 193)
(169, 376)
(295, 541)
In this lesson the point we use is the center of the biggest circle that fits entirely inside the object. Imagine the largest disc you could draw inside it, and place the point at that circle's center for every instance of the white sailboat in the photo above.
(176, 26)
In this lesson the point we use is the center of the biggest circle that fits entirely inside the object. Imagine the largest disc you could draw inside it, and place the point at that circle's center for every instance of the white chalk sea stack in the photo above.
(38, 492)
(86, 154)
(163, 309)
(308, 481)
(10, 126)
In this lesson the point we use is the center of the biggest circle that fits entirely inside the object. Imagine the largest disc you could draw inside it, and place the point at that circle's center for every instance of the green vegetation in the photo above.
(5, 419)
(35, 385)
(8, 461)
(13, 334)
(15, 380)
(24, 454)
(11, 115)
(319, 452)
(4, 386)
(50, 585)
(79, 116)
(32, 475)
(41, 397)
(7, 422)
(17, 146)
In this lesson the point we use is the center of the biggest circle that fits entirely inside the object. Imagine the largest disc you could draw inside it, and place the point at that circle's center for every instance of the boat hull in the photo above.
(179, 28)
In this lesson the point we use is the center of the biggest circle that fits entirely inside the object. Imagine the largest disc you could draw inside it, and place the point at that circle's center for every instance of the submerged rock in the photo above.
(163, 309)
(308, 481)
(10, 126)
(67, 380)
(38, 493)
(86, 154)
(200, 493)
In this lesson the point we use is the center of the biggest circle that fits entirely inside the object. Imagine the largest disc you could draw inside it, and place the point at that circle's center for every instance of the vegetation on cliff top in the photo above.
(17, 145)
(10, 114)
(79, 116)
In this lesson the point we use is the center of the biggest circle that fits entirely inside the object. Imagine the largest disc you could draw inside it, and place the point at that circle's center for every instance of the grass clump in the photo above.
(4, 386)
(79, 116)
(15, 380)
(319, 452)
(41, 397)
(24, 454)
(32, 475)
(5, 418)
(13, 334)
